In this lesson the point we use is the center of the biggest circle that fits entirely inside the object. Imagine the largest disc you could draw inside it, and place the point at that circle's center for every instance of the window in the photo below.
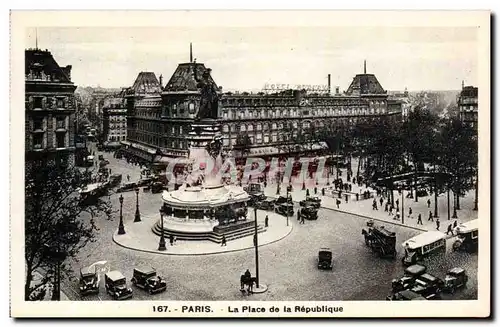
(243, 128)
(191, 108)
(250, 128)
(259, 138)
(38, 141)
(37, 103)
(275, 137)
(180, 130)
(61, 123)
(274, 126)
(60, 103)
(225, 114)
(173, 130)
(61, 140)
(37, 123)
(266, 138)
(259, 126)
(225, 128)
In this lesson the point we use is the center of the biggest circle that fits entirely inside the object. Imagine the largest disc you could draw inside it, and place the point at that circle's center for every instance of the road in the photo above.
(288, 267)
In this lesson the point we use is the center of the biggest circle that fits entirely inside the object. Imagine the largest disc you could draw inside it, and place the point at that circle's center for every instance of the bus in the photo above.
(420, 246)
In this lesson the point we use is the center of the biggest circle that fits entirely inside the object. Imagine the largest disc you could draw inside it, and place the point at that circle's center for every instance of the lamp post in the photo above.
(287, 192)
(121, 228)
(278, 179)
(162, 246)
(448, 202)
(402, 206)
(256, 243)
(137, 213)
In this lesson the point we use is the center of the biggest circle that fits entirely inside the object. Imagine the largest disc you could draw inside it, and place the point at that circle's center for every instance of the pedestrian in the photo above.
(354, 180)
(381, 200)
(265, 183)
(406, 249)
(450, 229)
(298, 214)
(323, 191)
(302, 220)
(430, 216)
(266, 221)
(315, 190)
(419, 219)
(390, 210)
(171, 240)
(374, 205)
(397, 202)
(223, 243)
(428, 203)
(175, 239)
(338, 204)
(386, 206)
(409, 212)
(357, 197)
(437, 224)
(455, 224)
(307, 192)
(128, 178)
(396, 217)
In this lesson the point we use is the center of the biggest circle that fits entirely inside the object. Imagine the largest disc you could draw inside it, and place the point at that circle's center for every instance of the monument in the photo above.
(205, 208)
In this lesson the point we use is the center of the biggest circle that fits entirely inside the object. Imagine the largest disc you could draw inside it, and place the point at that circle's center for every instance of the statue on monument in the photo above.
(209, 102)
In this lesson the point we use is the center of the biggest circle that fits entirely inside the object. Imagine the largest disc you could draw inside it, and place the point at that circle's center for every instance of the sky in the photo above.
(246, 58)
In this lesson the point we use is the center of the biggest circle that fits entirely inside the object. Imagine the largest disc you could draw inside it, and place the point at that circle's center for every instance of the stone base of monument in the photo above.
(201, 229)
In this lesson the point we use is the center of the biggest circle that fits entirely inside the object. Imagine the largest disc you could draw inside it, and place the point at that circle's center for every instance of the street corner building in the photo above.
(49, 108)
(160, 118)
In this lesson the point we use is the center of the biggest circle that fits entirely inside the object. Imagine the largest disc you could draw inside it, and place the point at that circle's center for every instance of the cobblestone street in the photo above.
(288, 267)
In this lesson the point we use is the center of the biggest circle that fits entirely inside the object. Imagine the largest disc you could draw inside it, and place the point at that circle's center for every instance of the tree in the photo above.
(57, 225)
(459, 155)
(419, 133)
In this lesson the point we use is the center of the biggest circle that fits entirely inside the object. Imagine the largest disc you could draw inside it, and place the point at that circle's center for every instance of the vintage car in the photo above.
(89, 281)
(266, 204)
(157, 187)
(428, 290)
(455, 278)
(423, 245)
(116, 285)
(408, 280)
(256, 198)
(127, 187)
(285, 209)
(311, 201)
(405, 295)
(282, 199)
(468, 236)
(309, 212)
(147, 279)
(325, 258)
(254, 188)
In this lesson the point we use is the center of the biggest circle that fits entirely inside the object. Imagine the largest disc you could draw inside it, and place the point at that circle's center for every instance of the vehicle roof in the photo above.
(87, 270)
(424, 239)
(286, 204)
(115, 275)
(145, 270)
(409, 294)
(468, 226)
(428, 277)
(90, 157)
(416, 269)
(325, 249)
(456, 271)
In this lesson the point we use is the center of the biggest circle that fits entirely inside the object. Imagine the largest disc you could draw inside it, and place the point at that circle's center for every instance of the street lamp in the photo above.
(287, 192)
(137, 213)
(278, 178)
(162, 246)
(121, 228)
(256, 243)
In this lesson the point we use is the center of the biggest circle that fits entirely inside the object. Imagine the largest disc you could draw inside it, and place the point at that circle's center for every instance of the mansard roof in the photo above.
(363, 84)
(41, 65)
(146, 83)
(183, 79)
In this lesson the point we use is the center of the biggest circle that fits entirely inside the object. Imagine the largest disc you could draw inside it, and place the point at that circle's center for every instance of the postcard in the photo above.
(243, 164)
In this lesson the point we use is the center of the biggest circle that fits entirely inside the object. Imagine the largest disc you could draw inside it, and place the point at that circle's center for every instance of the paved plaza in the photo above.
(288, 265)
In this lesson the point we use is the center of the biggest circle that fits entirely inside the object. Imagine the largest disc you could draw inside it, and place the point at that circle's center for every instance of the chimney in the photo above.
(161, 81)
(463, 84)
(329, 83)
(67, 71)
(337, 90)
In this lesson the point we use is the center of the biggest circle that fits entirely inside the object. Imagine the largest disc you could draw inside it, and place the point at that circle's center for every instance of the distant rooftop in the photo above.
(40, 65)
(183, 79)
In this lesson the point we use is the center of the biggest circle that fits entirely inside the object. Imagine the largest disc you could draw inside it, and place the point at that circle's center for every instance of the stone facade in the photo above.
(49, 107)
(468, 105)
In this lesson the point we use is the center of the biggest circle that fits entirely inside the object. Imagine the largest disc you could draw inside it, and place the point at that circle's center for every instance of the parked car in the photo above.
(282, 199)
(127, 187)
(116, 285)
(325, 258)
(266, 204)
(309, 212)
(408, 280)
(144, 182)
(89, 281)
(115, 180)
(311, 201)
(285, 209)
(157, 187)
(405, 295)
(455, 278)
(147, 279)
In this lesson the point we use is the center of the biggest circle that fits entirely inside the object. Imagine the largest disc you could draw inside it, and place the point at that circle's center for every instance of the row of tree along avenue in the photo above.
(57, 223)
(419, 154)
